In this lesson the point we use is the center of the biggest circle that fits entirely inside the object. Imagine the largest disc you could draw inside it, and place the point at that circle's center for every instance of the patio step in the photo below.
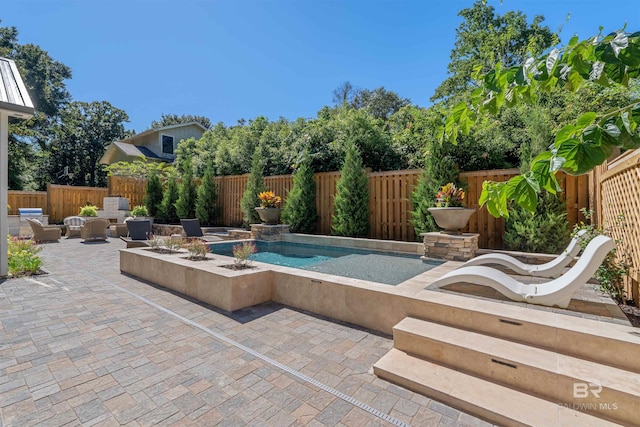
(600, 390)
(492, 402)
(601, 342)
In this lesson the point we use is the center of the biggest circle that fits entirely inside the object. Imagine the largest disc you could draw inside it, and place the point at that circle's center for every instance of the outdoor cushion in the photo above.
(139, 229)
(192, 229)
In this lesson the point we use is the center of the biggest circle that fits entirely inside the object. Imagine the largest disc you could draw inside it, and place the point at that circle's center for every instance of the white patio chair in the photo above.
(556, 292)
(549, 269)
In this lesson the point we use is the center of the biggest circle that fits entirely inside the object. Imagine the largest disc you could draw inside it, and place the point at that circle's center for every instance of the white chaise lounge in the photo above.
(556, 292)
(549, 269)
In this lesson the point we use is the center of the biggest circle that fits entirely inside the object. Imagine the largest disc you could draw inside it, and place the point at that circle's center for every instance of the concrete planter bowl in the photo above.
(451, 220)
(269, 216)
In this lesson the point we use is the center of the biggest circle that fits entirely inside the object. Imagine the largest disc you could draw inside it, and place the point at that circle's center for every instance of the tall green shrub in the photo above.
(546, 230)
(207, 199)
(186, 204)
(300, 207)
(153, 196)
(255, 185)
(351, 207)
(439, 169)
(168, 212)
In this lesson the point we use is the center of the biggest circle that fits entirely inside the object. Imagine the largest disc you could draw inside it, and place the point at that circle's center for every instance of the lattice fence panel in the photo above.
(620, 212)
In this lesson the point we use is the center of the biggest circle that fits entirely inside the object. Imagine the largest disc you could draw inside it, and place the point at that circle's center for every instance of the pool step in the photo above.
(492, 402)
(597, 389)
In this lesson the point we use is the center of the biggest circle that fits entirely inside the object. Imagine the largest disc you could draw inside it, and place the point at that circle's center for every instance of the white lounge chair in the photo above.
(549, 269)
(555, 292)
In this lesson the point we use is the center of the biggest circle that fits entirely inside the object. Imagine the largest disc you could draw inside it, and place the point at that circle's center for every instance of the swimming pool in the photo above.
(390, 268)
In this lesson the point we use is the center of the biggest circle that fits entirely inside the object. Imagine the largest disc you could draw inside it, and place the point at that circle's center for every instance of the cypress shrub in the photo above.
(186, 204)
(207, 199)
(351, 207)
(255, 185)
(439, 169)
(546, 230)
(168, 212)
(300, 207)
(153, 197)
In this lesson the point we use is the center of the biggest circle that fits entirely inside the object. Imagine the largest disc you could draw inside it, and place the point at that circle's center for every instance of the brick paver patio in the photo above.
(77, 347)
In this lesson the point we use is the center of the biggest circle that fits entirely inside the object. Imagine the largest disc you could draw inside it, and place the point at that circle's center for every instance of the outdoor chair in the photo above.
(192, 229)
(556, 292)
(73, 224)
(95, 229)
(551, 269)
(43, 233)
(139, 232)
(120, 230)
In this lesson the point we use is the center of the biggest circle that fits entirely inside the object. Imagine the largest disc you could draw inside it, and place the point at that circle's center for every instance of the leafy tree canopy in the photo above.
(380, 103)
(81, 137)
(174, 119)
(44, 78)
(485, 39)
(608, 61)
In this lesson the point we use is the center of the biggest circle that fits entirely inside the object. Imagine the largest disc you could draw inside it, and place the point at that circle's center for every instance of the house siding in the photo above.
(154, 141)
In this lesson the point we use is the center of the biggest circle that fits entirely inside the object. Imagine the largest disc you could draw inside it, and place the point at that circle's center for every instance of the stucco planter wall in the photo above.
(205, 281)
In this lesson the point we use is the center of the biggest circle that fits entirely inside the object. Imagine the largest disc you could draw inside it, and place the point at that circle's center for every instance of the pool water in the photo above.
(383, 267)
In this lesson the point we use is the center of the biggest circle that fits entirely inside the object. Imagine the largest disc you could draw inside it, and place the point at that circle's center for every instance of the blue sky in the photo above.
(240, 59)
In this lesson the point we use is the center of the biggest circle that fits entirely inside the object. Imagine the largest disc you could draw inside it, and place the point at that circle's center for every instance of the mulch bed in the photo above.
(632, 313)
(199, 258)
(238, 267)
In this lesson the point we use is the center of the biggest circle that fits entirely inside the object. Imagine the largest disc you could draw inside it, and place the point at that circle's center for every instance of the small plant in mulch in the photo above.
(241, 253)
(165, 245)
(197, 250)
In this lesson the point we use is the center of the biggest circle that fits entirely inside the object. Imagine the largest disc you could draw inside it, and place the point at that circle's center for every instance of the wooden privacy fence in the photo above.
(59, 201)
(389, 200)
(27, 199)
(619, 211)
(65, 200)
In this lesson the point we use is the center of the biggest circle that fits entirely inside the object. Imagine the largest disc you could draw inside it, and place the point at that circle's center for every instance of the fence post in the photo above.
(48, 206)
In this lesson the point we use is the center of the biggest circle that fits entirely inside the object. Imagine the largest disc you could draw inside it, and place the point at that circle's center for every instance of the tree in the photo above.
(186, 203)
(485, 39)
(300, 207)
(612, 60)
(168, 208)
(344, 93)
(544, 231)
(207, 199)
(153, 196)
(255, 185)
(351, 206)
(81, 138)
(174, 119)
(44, 78)
(380, 103)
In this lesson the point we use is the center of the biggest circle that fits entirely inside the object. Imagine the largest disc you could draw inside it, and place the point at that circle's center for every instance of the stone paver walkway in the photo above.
(77, 348)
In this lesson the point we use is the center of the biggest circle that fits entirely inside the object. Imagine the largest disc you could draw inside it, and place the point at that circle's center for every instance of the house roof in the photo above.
(162, 129)
(131, 151)
(14, 97)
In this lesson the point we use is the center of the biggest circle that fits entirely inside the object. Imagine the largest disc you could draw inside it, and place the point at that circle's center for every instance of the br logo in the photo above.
(582, 390)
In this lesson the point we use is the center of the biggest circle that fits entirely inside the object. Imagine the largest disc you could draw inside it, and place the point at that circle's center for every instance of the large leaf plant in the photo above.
(608, 60)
